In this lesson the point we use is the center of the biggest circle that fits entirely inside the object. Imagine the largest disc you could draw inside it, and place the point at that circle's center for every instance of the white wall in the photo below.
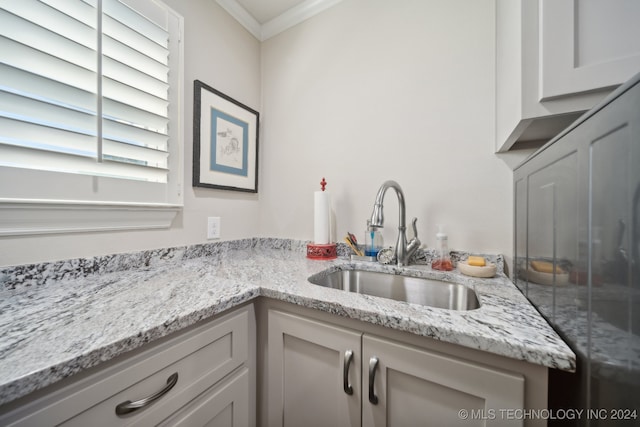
(366, 91)
(219, 52)
(371, 90)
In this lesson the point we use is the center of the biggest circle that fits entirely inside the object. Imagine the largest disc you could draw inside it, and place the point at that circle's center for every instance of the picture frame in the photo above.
(225, 141)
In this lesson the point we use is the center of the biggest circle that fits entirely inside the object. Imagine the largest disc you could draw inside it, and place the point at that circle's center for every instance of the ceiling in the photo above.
(266, 18)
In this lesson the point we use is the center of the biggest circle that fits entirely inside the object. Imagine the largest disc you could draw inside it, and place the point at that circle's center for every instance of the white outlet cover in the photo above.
(213, 227)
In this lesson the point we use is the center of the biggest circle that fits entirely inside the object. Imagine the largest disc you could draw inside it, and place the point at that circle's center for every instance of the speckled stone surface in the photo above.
(58, 319)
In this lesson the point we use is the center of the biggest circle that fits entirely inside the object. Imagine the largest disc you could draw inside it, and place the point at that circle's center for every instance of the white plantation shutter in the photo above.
(90, 88)
(47, 84)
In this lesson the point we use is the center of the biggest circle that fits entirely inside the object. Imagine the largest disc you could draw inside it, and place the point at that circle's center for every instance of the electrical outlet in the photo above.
(213, 227)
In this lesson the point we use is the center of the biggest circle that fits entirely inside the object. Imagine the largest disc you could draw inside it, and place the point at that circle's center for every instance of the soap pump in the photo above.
(443, 260)
(373, 240)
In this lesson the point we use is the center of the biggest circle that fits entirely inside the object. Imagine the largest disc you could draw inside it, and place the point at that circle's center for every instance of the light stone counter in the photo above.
(58, 319)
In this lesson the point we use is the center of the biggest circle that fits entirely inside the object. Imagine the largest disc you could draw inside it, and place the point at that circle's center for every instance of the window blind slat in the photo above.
(77, 36)
(118, 31)
(135, 21)
(84, 11)
(76, 20)
(61, 162)
(34, 158)
(129, 76)
(33, 134)
(92, 3)
(33, 110)
(135, 136)
(114, 110)
(25, 58)
(136, 155)
(117, 169)
(20, 81)
(39, 38)
(122, 53)
(134, 97)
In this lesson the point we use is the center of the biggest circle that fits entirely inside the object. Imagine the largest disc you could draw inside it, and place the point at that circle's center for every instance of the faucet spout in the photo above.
(377, 217)
(402, 251)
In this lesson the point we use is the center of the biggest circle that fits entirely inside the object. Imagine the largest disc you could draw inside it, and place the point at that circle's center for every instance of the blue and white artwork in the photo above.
(229, 143)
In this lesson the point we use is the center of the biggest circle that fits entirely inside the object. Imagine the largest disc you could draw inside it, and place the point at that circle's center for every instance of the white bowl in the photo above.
(488, 270)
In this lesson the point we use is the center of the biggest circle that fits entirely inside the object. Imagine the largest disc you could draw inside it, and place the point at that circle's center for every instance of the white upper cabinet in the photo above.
(587, 45)
(557, 59)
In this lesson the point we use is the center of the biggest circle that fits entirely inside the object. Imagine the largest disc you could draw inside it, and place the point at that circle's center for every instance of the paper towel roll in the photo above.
(321, 215)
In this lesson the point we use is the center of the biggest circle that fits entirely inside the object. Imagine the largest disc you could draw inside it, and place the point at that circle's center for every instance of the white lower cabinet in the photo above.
(320, 374)
(406, 386)
(310, 372)
(202, 377)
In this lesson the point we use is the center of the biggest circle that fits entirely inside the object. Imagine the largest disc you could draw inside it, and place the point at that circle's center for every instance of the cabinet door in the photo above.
(553, 225)
(587, 45)
(306, 378)
(415, 387)
(225, 405)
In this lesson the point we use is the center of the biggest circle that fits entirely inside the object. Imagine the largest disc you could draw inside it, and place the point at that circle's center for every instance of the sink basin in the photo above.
(429, 292)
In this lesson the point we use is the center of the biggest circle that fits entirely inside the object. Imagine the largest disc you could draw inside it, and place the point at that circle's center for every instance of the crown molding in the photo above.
(294, 16)
(286, 20)
(241, 15)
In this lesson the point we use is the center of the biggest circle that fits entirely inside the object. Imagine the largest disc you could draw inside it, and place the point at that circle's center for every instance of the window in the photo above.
(90, 115)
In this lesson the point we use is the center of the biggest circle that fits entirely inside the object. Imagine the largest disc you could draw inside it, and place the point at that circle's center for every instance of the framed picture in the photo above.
(225, 141)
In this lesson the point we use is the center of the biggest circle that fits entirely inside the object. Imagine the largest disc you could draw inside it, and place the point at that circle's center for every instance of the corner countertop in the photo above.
(58, 319)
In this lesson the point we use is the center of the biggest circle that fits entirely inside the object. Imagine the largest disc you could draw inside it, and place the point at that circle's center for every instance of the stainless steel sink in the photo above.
(429, 292)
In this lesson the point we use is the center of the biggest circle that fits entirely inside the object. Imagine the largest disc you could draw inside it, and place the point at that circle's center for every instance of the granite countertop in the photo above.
(58, 319)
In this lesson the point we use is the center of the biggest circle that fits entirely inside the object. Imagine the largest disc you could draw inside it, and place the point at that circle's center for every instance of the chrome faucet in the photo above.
(403, 251)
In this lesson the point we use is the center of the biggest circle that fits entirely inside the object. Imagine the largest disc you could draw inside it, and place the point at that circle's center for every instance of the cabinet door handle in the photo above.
(373, 365)
(129, 406)
(348, 357)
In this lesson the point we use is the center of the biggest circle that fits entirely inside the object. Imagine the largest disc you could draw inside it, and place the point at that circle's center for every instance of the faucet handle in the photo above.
(414, 243)
(415, 229)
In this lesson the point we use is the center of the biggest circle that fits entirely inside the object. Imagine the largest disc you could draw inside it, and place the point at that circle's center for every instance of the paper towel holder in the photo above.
(322, 251)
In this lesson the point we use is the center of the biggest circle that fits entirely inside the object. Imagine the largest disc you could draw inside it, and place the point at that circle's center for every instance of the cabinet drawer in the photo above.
(200, 358)
(226, 404)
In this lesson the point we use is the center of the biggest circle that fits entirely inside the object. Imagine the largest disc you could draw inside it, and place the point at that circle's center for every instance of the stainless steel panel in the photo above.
(577, 205)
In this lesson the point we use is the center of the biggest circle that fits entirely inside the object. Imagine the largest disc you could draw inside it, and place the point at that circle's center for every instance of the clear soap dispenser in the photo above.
(443, 260)
(373, 240)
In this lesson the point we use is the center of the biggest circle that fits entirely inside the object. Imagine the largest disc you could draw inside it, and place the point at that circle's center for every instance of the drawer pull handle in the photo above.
(373, 365)
(348, 357)
(129, 406)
